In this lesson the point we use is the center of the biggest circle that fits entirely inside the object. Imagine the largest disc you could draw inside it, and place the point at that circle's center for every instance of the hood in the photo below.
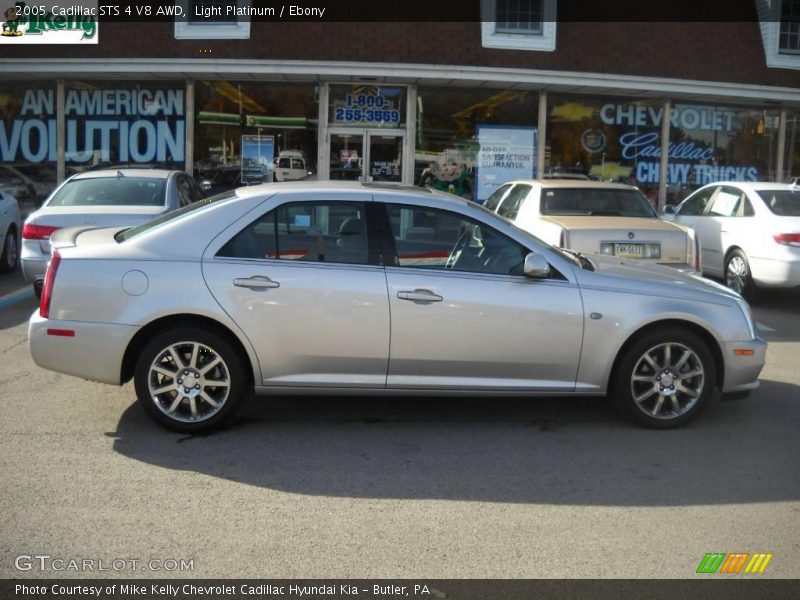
(649, 278)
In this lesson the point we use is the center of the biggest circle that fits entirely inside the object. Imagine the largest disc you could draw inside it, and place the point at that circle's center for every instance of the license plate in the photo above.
(629, 250)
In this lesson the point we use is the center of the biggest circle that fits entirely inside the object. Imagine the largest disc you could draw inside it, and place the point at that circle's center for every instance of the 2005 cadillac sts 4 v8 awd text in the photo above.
(348, 288)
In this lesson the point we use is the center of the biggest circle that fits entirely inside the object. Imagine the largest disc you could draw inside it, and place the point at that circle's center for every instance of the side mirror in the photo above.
(536, 266)
(669, 209)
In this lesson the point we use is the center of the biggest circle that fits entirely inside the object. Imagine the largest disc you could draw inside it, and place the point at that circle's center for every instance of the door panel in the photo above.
(324, 325)
(463, 316)
(490, 332)
(385, 157)
(347, 156)
(300, 282)
(692, 213)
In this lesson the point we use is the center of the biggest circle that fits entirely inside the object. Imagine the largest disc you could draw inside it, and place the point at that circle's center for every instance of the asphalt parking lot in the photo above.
(368, 487)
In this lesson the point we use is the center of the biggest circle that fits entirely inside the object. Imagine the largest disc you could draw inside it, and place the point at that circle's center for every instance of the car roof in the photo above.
(575, 183)
(249, 191)
(150, 173)
(751, 186)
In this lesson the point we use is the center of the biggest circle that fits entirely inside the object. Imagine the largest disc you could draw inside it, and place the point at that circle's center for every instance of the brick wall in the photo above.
(717, 51)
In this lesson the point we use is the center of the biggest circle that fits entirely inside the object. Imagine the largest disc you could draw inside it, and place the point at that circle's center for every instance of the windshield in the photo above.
(132, 232)
(111, 191)
(784, 203)
(581, 202)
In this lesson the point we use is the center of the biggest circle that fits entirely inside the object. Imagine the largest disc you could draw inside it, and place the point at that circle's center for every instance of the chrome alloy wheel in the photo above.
(736, 274)
(189, 382)
(667, 381)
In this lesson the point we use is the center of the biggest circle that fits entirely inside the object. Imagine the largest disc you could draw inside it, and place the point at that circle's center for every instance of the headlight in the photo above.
(748, 316)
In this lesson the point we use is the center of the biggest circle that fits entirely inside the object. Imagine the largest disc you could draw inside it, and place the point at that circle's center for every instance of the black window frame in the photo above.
(394, 258)
(372, 230)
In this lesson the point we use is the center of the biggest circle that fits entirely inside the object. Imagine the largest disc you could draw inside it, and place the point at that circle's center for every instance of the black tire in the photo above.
(9, 254)
(738, 276)
(191, 414)
(647, 388)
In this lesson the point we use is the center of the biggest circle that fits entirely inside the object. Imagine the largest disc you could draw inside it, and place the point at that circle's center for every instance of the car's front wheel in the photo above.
(9, 256)
(665, 378)
(190, 380)
(738, 276)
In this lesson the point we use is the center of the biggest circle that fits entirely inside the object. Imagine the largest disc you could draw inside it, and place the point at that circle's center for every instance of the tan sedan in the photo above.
(594, 217)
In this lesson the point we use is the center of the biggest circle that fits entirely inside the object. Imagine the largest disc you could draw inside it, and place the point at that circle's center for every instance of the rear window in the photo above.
(784, 203)
(111, 191)
(132, 232)
(596, 203)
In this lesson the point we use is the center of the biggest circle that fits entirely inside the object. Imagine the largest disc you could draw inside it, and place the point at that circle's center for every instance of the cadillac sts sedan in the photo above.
(344, 288)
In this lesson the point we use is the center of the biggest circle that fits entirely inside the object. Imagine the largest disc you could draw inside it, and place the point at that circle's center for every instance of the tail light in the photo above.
(49, 280)
(787, 239)
(698, 263)
(37, 232)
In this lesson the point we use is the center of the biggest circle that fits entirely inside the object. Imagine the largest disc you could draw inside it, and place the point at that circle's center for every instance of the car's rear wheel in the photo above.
(10, 253)
(665, 378)
(190, 380)
(738, 276)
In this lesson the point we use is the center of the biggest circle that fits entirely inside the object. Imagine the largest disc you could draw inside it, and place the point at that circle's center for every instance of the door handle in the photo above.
(257, 282)
(419, 296)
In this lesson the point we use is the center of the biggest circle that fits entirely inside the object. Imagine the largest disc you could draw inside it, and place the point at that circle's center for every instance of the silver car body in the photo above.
(341, 328)
(10, 226)
(36, 252)
(594, 234)
(726, 223)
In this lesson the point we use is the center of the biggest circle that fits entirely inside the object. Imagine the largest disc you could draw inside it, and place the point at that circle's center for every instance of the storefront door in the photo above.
(366, 155)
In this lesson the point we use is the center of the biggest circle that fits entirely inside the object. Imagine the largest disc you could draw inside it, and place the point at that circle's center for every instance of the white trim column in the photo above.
(664, 166)
(61, 167)
(323, 166)
(188, 144)
(541, 134)
(411, 135)
(781, 145)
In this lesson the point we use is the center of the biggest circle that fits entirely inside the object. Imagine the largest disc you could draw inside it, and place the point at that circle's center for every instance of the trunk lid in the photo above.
(89, 217)
(626, 237)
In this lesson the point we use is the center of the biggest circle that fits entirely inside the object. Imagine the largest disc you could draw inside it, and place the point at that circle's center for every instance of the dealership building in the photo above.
(509, 90)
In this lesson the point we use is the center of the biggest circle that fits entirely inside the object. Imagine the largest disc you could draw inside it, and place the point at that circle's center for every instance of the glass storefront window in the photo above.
(459, 129)
(248, 133)
(111, 123)
(609, 139)
(28, 141)
(717, 143)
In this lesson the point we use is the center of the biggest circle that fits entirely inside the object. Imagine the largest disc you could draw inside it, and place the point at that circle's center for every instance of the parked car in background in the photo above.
(292, 165)
(297, 287)
(102, 198)
(597, 218)
(749, 233)
(10, 225)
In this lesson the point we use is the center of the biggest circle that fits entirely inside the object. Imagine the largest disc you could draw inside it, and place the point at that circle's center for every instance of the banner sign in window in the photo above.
(122, 124)
(258, 153)
(506, 153)
(367, 106)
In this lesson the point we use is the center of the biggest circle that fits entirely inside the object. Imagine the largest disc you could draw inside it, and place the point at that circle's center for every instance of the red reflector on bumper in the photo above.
(61, 332)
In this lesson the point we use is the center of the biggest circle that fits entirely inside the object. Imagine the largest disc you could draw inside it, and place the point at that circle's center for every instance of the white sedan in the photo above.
(749, 233)
(10, 224)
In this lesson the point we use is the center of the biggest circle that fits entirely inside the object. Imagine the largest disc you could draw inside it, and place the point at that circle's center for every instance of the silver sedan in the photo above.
(362, 289)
